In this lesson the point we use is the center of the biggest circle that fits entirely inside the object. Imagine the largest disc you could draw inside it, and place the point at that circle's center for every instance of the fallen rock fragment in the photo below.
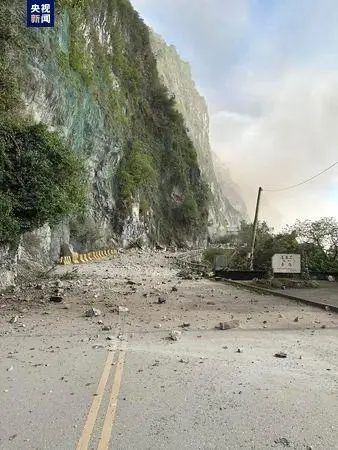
(56, 298)
(106, 328)
(92, 312)
(183, 361)
(280, 355)
(161, 300)
(296, 319)
(123, 309)
(14, 319)
(185, 325)
(175, 335)
(229, 325)
(174, 289)
(283, 441)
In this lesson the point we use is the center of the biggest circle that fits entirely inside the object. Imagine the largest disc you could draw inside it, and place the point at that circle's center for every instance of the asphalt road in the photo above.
(189, 394)
(65, 386)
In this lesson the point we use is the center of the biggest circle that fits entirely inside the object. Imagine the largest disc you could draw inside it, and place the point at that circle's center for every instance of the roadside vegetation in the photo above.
(316, 242)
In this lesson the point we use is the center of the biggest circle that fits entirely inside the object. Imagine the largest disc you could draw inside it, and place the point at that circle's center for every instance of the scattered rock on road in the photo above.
(283, 441)
(14, 319)
(92, 312)
(123, 309)
(175, 335)
(280, 355)
(229, 325)
(56, 298)
(161, 300)
(183, 361)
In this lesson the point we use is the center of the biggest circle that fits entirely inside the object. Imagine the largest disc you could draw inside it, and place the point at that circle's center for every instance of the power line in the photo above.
(302, 182)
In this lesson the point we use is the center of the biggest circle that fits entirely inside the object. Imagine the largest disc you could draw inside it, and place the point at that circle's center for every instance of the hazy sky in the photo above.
(269, 72)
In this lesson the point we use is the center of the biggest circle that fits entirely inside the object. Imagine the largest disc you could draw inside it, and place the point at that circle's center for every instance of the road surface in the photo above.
(64, 385)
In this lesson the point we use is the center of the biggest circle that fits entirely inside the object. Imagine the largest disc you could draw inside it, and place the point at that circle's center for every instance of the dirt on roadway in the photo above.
(139, 281)
(210, 389)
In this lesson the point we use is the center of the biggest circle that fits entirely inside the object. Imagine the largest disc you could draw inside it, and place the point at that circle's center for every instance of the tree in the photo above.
(319, 242)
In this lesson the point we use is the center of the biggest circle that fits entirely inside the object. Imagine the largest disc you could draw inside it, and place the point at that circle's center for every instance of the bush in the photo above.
(40, 179)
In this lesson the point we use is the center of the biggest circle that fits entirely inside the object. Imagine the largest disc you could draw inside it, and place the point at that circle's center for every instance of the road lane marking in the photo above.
(111, 410)
(94, 409)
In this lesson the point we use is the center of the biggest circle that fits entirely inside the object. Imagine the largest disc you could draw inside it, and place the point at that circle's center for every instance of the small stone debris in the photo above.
(296, 319)
(323, 326)
(280, 355)
(131, 282)
(14, 319)
(239, 350)
(100, 322)
(122, 337)
(283, 441)
(97, 346)
(161, 300)
(229, 325)
(331, 278)
(92, 312)
(106, 328)
(185, 274)
(183, 361)
(175, 335)
(211, 303)
(58, 284)
(40, 287)
(185, 325)
(158, 325)
(281, 316)
(10, 369)
(123, 309)
(56, 298)
(110, 338)
(174, 289)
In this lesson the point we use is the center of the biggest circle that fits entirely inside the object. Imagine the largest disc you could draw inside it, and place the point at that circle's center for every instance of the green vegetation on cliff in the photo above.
(103, 87)
(40, 179)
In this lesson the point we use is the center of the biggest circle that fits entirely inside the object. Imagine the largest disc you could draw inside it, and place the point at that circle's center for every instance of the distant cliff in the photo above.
(226, 208)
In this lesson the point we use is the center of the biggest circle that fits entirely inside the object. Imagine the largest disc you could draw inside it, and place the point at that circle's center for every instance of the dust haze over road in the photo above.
(210, 389)
(269, 72)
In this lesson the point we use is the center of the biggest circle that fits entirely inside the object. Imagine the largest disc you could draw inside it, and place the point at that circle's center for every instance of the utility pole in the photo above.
(254, 228)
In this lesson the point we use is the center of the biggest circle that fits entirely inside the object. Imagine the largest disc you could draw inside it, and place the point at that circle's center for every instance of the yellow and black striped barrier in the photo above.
(79, 258)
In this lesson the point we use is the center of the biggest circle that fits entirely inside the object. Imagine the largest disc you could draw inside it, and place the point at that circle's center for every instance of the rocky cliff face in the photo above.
(93, 81)
(226, 208)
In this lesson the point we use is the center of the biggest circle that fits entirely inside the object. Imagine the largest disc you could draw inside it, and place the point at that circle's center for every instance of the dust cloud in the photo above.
(292, 140)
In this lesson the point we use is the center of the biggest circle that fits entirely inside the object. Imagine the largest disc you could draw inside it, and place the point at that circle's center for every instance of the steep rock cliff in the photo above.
(93, 80)
(226, 208)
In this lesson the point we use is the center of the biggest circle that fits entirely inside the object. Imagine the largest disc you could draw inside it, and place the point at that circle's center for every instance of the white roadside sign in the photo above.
(286, 263)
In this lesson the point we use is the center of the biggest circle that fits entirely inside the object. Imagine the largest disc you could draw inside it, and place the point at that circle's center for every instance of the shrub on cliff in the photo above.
(40, 179)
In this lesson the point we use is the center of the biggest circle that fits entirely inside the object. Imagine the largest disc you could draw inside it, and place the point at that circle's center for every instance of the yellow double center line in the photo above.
(111, 410)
